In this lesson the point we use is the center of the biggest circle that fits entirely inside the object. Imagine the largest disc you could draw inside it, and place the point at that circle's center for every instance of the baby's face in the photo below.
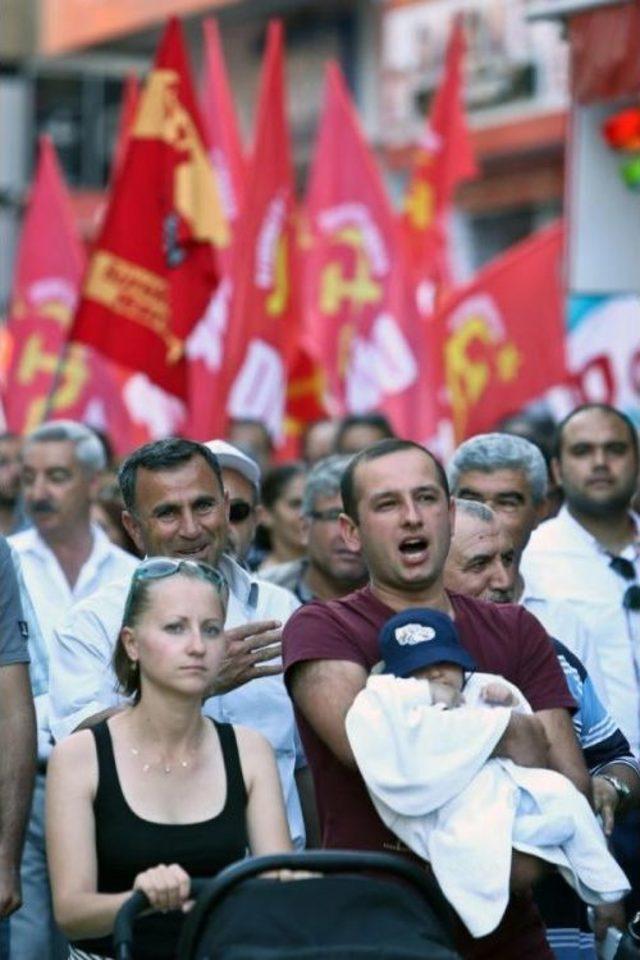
(448, 673)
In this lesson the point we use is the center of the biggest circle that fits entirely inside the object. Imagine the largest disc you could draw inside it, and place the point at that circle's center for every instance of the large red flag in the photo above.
(40, 380)
(352, 277)
(504, 334)
(443, 159)
(264, 316)
(152, 272)
(206, 345)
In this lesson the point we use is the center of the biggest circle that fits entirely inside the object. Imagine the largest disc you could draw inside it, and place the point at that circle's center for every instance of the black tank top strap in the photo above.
(236, 789)
(107, 770)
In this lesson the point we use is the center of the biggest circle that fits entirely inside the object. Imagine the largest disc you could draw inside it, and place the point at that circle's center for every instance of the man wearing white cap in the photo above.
(241, 479)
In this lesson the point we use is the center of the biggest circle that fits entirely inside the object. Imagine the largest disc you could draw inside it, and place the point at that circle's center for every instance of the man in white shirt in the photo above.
(175, 505)
(64, 558)
(589, 555)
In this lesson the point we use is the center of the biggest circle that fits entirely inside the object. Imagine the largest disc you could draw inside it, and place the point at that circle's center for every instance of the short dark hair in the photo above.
(167, 454)
(372, 419)
(382, 449)
(603, 408)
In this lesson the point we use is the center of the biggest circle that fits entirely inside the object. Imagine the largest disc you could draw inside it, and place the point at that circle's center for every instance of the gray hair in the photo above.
(89, 451)
(323, 481)
(489, 452)
(475, 509)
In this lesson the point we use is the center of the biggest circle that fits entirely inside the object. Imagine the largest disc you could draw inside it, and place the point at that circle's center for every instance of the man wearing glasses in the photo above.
(331, 569)
(589, 555)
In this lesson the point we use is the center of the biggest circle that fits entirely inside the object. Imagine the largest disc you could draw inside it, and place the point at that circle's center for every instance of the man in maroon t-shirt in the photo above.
(398, 512)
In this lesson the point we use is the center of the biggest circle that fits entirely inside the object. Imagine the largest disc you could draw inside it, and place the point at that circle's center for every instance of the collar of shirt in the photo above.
(574, 530)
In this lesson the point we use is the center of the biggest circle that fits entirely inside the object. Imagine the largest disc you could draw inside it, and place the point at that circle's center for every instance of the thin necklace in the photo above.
(164, 764)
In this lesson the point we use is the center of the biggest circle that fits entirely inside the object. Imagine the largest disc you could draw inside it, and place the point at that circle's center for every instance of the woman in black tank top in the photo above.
(158, 793)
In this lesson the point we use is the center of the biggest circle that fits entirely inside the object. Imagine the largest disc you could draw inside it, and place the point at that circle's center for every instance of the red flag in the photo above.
(206, 346)
(49, 266)
(152, 273)
(130, 100)
(264, 315)
(444, 159)
(353, 283)
(504, 334)
(223, 139)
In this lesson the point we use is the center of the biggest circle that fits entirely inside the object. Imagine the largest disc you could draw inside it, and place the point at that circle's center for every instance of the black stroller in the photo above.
(349, 915)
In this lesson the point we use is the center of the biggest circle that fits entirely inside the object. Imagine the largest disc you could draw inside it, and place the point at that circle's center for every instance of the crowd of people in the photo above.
(183, 638)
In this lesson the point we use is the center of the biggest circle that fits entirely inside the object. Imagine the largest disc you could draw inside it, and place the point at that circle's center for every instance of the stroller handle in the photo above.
(130, 909)
(321, 861)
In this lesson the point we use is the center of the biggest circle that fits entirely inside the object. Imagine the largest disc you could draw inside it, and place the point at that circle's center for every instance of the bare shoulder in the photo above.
(251, 742)
(75, 756)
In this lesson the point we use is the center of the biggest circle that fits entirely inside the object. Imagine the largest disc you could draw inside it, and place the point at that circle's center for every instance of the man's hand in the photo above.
(605, 802)
(248, 650)
(10, 892)
(524, 741)
(607, 915)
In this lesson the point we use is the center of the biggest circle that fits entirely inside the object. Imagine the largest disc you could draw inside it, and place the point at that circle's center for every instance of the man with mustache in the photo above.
(64, 558)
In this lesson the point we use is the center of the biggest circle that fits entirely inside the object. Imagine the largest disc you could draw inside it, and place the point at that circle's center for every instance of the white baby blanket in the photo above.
(429, 773)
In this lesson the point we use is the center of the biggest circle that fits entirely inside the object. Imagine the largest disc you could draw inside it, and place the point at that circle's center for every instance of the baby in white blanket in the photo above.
(423, 732)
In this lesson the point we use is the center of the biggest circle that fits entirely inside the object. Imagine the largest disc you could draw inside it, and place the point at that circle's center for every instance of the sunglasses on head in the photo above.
(157, 568)
(625, 569)
(239, 510)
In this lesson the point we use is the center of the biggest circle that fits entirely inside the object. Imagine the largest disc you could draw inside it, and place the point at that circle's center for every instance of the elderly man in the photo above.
(176, 506)
(476, 565)
(331, 568)
(17, 742)
(398, 512)
(65, 558)
(241, 479)
(478, 545)
(509, 474)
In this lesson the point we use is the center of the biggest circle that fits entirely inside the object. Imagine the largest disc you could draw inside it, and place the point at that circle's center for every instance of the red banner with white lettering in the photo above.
(263, 331)
(353, 284)
(503, 335)
(152, 273)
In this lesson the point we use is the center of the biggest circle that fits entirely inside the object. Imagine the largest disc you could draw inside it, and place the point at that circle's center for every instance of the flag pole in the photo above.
(56, 382)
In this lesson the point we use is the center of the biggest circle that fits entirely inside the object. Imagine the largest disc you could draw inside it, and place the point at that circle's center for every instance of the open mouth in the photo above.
(414, 548)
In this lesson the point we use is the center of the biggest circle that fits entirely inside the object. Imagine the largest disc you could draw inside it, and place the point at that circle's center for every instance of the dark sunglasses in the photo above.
(239, 510)
(625, 569)
(157, 568)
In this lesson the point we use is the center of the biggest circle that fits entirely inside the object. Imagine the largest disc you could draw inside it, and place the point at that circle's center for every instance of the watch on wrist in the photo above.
(620, 788)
